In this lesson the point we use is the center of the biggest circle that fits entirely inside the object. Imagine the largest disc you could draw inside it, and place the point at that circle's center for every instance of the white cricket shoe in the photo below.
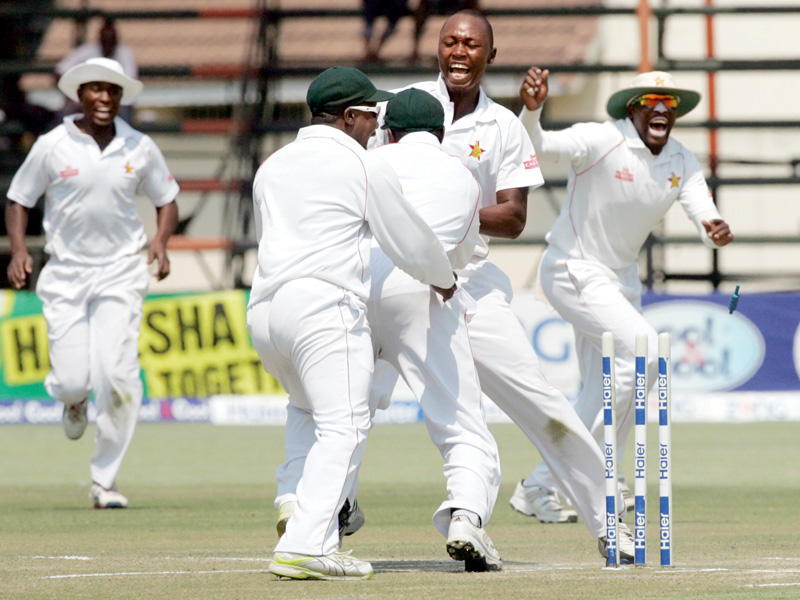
(535, 501)
(627, 497)
(625, 546)
(339, 565)
(351, 518)
(74, 419)
(104, 498)
(285, 513)
(472, 544)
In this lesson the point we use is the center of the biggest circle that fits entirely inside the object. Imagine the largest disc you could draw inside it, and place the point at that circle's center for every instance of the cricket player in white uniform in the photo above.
(490, 140)
(427, 340)
(89, 170)
(317, 202)
(624, 175)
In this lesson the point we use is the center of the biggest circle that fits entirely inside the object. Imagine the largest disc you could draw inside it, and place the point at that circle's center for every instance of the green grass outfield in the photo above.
(201, 524)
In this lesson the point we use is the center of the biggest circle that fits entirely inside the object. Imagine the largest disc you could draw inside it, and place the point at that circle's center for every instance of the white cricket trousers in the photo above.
(314, 338)
(594, 299)
(512, 377)
(93, 315)
(427, 341)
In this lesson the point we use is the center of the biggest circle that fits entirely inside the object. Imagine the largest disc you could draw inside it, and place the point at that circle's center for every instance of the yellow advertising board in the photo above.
(191, 346)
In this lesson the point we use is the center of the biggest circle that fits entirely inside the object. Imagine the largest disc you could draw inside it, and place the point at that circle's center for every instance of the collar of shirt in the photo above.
(420, 137)
(483, 112)
(326, 131)
(634, 141)
(121, 131)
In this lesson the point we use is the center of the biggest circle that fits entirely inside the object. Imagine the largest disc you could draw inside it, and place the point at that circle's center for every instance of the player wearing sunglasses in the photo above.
(623, 177)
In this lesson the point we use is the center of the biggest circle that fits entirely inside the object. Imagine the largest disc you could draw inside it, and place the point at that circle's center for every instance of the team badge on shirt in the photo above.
(68, 172)
(674, 180)
(533, 163)
(128, 168)
(476, 150)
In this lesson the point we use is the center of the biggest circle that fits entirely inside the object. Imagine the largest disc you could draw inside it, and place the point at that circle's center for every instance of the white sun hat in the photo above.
(100, 69)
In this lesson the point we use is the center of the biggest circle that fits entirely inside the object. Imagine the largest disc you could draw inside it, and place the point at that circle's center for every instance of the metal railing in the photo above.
(254, 119)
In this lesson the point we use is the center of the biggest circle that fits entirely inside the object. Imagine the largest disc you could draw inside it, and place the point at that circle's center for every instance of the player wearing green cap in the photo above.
(316, 201)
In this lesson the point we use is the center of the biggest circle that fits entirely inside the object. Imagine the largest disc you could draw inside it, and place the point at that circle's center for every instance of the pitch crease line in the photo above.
(139, 573)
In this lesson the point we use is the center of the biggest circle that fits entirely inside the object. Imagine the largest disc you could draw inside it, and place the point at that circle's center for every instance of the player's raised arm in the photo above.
(534, 89)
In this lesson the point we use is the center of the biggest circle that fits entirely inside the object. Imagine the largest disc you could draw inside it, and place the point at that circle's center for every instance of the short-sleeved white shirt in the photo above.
(90, 214)
(441, 189)
(491, 142)
(317, 203)
(618, 190)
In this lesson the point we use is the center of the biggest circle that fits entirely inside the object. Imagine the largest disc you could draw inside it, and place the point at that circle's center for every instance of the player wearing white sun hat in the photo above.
(89, 169)
(624, 175)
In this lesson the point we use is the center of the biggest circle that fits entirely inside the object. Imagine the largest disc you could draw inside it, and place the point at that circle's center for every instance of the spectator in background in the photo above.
(22, 34)
(107, 46)
(393, 10)
(425, 8)
(21, 122)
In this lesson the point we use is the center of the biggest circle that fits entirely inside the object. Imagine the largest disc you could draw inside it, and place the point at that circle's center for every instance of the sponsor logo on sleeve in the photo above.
(533, 163)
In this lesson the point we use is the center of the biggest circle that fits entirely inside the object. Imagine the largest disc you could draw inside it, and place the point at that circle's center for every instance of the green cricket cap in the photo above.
(339, 87)
(413, 110)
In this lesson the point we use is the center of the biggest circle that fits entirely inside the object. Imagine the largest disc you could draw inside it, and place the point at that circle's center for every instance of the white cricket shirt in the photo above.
(490, 141)
(617, 189)
(319, 200)
(90, 214)
(441, 189)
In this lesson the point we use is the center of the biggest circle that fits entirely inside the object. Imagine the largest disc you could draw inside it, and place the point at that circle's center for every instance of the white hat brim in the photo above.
(86, 72)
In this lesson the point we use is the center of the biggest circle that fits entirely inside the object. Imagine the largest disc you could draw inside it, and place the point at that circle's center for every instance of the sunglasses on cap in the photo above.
(369, 109)
(652, 100)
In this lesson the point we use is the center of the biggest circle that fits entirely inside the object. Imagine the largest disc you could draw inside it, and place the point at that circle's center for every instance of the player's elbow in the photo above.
(515, 228)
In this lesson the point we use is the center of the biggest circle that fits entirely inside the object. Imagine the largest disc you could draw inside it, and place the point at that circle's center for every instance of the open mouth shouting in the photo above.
(658, 126)
(653, 124)
(458, 72)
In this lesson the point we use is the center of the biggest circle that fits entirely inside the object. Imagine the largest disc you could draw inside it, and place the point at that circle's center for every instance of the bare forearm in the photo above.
(16, 225)
(166, 222)
(507, 218)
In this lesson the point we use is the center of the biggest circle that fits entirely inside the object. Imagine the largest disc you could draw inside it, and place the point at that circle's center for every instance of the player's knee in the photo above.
(69, 388)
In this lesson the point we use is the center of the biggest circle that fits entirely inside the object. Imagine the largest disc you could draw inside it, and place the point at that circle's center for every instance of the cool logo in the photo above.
(712, 349)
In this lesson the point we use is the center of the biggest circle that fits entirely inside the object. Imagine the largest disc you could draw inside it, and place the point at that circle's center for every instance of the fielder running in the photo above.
(89, 169)
(316, 201)
(624, 175)
(493, 144)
